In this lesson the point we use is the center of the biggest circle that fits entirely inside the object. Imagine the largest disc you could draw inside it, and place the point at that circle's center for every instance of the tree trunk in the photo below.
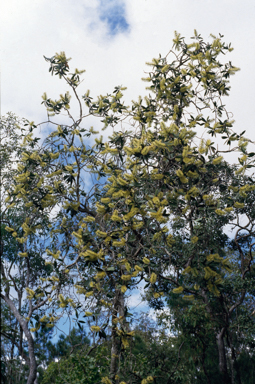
(204, 367)
(114, 354)
(222, 357)
(234, 363)
(118, 308)
(32, 361)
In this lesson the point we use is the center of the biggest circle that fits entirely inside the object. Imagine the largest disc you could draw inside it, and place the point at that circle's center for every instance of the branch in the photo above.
(177, 363)
(249, 264)
(20, 349)
(40, 304)
(234, 306)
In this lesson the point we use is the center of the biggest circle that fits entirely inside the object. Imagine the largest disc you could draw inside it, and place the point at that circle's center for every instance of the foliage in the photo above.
(22, 261)
(77, 368)
(157, 208)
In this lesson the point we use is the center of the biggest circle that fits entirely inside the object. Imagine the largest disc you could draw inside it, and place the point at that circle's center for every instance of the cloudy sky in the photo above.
(112, 40)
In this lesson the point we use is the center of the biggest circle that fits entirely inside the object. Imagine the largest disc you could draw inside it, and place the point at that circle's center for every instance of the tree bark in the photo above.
(222, 357)
(24, 325)
(114, 354)
(118, 308)
(234, 363)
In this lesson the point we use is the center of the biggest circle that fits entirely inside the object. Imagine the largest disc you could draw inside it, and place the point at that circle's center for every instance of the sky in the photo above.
(112, 40)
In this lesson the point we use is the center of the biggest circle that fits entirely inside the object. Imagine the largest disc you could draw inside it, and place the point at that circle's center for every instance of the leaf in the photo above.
(79, 325)
(102, 334)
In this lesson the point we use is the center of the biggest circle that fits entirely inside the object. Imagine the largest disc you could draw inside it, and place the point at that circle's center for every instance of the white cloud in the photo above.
(33, 28)
(135, 301)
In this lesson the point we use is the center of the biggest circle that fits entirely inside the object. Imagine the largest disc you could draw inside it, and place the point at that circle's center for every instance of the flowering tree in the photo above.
(22, 262)
(160, 197)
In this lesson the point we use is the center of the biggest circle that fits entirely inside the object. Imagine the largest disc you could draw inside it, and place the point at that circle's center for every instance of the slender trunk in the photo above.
(232, 371)
(32, 361)
(204, 367)
(234, 363)
(114, 353)
(12, 359)
(118, 308)
(12, 356)
(222, 357)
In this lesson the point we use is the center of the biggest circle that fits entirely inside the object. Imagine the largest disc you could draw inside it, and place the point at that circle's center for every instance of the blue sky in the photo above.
(113, 13)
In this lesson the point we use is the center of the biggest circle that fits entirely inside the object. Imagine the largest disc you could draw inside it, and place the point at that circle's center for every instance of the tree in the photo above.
(13, 369)
(22, 262)
(161, 189)
(80, 367)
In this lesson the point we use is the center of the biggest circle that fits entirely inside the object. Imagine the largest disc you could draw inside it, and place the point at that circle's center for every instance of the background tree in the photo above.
(13, 367)
(22, 262)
